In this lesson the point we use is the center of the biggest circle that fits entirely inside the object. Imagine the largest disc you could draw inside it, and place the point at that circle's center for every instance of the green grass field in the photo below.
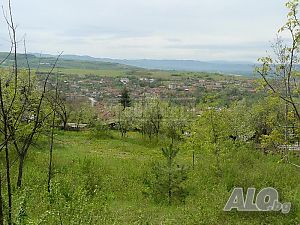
(158, 74)
(102, 181)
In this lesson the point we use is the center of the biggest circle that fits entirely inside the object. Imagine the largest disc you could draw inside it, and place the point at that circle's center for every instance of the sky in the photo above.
(231, 30)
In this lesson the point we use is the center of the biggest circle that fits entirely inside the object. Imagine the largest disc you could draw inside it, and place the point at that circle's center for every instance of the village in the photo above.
(107, 89)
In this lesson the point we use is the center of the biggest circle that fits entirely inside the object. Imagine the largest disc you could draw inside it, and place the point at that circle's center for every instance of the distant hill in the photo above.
(88, 62)
(238, 68)
(45, 61)
(190, 65)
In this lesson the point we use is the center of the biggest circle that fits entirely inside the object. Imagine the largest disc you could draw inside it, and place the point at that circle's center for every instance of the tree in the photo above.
(266, 116)
(54, 111)
(6, 108)
(175, 122)
(125, 120)
(210, 133)
(153, 117)
(1, 203)
(30, 104)
(167, 181)
(24, 110)
(125, 98)
(82, 112)
(279, 71)
(240, 123)
(62, 108)
(5, 145)
(149, 116)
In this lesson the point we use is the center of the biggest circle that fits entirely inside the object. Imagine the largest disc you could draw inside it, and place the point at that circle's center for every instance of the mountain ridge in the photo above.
(217, 66)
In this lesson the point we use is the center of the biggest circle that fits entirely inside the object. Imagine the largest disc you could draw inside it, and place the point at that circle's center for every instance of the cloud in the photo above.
(225, 46)
(192, 29)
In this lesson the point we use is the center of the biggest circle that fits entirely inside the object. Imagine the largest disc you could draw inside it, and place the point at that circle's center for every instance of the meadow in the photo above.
(102, 180)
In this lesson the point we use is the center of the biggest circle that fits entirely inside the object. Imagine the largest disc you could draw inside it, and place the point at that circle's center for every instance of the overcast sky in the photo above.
(157, 29)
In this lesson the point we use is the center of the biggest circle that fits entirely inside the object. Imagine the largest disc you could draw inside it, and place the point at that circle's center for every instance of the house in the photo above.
(124, 80)
(76, 126)
(172, 86)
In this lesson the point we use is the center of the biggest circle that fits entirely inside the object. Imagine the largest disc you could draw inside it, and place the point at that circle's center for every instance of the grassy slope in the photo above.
(114, 169)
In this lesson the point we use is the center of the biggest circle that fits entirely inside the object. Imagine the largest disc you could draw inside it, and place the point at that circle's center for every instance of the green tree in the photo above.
(125, 119)
(82, 112)
(279, 70)
(175, 122)
(266, 116)
(210, 133)
(149, 116)
(125, 98)
(167, 181)
(239, 119)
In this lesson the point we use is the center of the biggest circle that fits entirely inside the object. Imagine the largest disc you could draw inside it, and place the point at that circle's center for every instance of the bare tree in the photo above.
(54, 110)
(6, 107)
(22, 142)
(21, 108)
(1, 203)
(62, 110)
(58, 101)
(5, 132)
